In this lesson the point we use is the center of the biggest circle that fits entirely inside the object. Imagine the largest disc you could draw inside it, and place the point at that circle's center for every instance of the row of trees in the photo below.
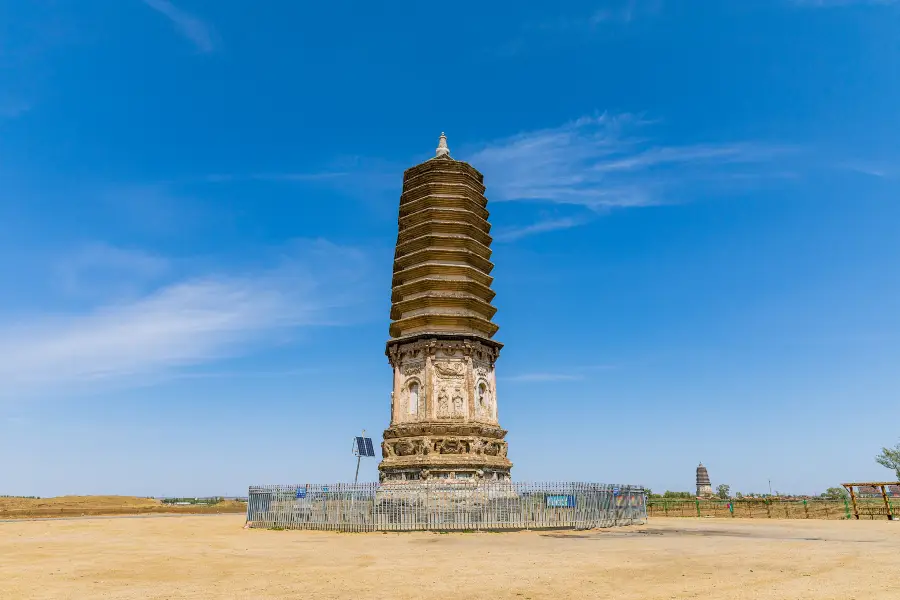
(724, 492)
(212, 500)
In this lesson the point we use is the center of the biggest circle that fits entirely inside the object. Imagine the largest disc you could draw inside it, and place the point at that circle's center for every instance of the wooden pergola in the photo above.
(882, 485)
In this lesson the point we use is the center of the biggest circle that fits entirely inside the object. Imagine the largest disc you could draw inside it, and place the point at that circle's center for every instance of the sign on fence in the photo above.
(561, 501)
(301, 493)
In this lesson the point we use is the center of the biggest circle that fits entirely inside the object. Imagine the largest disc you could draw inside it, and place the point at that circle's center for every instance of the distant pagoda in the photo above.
(443, 408)
(704, 488)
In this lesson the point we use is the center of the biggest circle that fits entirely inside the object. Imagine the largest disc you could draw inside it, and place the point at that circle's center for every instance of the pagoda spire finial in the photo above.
(442, 149)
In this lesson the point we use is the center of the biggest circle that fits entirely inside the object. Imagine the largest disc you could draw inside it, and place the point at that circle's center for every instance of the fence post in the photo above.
(666, 507)
(887, 504)
(805, 508)
(768, 510)
(855, 505)
(698, 507)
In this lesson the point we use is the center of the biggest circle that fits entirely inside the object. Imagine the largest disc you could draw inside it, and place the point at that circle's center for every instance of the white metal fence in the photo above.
(444, 506)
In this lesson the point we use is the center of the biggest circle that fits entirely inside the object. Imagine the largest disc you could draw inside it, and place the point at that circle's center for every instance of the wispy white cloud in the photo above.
(100, 268)
(510, 234)
(191, 27)
(607, 161)
(871, 168)
(184, 323)
(585, 167)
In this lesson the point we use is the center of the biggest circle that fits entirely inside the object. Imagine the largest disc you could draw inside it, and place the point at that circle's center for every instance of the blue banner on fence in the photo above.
(561, 501)
(301, 492)
(615, 491)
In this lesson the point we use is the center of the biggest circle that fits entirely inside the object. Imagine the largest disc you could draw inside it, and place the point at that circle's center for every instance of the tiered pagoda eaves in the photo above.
(443, 411)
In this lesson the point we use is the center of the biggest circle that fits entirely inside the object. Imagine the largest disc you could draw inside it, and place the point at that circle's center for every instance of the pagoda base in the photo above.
(705, 491)
(462, 452)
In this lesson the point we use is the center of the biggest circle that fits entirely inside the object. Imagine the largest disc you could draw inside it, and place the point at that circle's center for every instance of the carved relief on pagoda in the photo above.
(411, 368)
(484, 401)
(476, 446)
(449, 383)
(410, 390)
(482, 369)
(442, 349)
(450, 370)
(443, 380)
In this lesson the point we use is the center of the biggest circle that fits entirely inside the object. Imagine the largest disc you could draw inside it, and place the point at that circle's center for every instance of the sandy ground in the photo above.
(213, 557)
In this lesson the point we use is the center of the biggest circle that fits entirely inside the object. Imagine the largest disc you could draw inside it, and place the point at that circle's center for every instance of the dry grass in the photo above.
(213, 557)
(68, 506)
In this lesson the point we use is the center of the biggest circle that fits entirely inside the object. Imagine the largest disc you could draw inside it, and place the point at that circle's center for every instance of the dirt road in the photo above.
(213, 557)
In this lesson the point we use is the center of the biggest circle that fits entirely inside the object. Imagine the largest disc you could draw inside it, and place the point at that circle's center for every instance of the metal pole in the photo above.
(358, 452)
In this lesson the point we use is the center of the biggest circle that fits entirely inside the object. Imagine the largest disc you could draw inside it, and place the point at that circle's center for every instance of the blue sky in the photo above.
(695, 209)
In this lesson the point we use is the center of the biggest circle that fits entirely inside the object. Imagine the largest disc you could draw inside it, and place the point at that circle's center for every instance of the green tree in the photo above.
(681, 495)
(835, 493)
(724, 491)
(738, 496)
(890, 458)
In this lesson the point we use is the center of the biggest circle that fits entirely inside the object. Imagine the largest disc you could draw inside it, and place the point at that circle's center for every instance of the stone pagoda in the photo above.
(704, 487)
(444, 405)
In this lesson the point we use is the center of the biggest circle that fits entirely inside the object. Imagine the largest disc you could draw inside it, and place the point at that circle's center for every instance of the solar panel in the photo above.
(370, 451)
(360, 446)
